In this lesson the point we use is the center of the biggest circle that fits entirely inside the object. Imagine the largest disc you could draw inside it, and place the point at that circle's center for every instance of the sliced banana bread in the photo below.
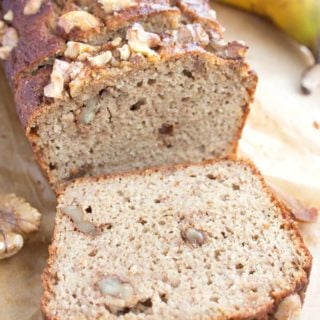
(206, 241)
(107, 86)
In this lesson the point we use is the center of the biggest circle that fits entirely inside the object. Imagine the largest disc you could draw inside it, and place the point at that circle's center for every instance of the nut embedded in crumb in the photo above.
(141, 41)
(76, 214)
(8, 16)
(32, 7)
(17, 219)
(289, 308)
(110, 6)
(83, 20)
(193, 236)
(113, 286)
(89, 112)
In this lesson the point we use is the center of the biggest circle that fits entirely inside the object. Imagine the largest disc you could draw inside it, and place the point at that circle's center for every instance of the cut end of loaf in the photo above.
(203, 241)
(139, 84)
(182, 108)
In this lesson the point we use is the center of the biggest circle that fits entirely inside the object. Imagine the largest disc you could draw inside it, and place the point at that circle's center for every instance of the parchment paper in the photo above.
(280, 137)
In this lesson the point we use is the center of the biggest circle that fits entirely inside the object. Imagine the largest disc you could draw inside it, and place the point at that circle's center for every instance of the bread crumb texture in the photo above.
(194, 242)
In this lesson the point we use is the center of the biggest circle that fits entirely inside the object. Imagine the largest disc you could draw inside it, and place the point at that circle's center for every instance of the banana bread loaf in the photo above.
(204, 241)
(107, 86)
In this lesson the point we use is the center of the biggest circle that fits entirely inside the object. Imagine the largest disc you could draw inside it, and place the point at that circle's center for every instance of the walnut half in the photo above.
(17, 219)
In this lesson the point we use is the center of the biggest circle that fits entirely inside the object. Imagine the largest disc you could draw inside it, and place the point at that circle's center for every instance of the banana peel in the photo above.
(300, 19)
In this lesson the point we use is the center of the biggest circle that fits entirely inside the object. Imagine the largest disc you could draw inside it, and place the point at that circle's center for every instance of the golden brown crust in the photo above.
(41, 40)
(264, 313)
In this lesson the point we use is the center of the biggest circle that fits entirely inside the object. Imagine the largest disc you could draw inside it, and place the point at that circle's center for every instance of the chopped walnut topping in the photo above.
(59, 76)
(116, 42)
(124, 52)
(62, 73)
(4, 52)
(141, 41)
(231, 50)
(32, 7)
(110, 6)
(8, 16)
(83, 20)
(77, 83)
(200, 9)
(2, 27)
(75, 69)
(9, 40)
(137, 58)
(101, 59)
(191, 33)
(75, 49)
(17, 219)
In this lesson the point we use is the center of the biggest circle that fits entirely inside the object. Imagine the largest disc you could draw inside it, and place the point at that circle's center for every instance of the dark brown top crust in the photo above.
(37, 40)
(29, 93)
(42, 39)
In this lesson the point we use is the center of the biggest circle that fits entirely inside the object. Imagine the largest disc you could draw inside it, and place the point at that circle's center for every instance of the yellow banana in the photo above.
(299, 18)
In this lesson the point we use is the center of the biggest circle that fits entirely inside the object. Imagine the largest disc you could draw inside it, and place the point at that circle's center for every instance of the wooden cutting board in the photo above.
(281, 137)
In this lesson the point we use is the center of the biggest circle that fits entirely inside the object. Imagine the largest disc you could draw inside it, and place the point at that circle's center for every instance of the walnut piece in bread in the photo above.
(289, 308)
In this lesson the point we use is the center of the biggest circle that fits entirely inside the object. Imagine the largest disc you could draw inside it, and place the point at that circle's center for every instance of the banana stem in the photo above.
(317, 50)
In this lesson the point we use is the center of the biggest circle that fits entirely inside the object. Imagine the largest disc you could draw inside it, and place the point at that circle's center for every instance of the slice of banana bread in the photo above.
(114, 86)
(206, 241)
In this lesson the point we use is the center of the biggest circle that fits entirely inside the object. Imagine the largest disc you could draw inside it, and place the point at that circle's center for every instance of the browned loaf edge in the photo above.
(41, 41)
(29, 65)
(266, 312)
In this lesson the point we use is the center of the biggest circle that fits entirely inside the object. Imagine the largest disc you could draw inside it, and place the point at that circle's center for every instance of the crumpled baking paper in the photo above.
(281, 137)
